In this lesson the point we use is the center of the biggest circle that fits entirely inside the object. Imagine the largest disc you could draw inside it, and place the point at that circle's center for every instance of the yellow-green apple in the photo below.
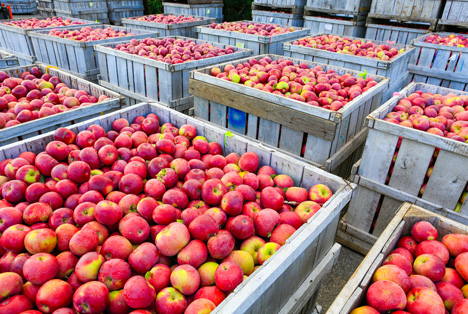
(186, 279)
(138, 293)
(424, 301)
(430, 266)
(200, 306)
(266, 251)
(386, 295)
(117, 304)
(40, 241)
(228, 276)
(170, 301)
(172, 239)
(40, 268)
(364, 310)
(91, 297)
(207, 273)
(252, 245)
(320, 193)
(243, 259)
(159, 277)
(87, 268)
(395, 274)
(307, 209)
(53, 295)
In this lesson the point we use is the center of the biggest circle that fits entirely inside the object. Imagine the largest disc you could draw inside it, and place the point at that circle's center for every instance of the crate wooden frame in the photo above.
(186, 29)
(331, 136)
(455, 13)
(352, 7)
(17, 41)
(121, 9)
(77, 57)
(318, 25)
(172, 80)
(429, 64)
(378, 29)
(101, 15)
(287, 4)
(213, 10)
(392, 69)
(443, 190)
(293, 276)
(354, 291)
(259, 44)
(7, 60)
(286, 19)
(39, 126)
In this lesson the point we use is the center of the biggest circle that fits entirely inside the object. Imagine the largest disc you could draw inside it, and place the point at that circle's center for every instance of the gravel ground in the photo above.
(347, 263)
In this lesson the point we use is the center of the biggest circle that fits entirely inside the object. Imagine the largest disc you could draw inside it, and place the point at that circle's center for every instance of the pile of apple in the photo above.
(166, 19)
(451, 40)
(36, 95)
(421, 276)
(443, 115)
(357, 47)
(172, 50)
(43, 23)
(253, 28)
(314, 86)
(89, 34)
(144, 217)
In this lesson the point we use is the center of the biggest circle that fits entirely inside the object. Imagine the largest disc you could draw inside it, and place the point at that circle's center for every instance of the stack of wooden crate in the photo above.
(206, 8)
(288, 13)
(454, 16)
(22, 6)
(336, 17)
(95, 10)
(119, 9)
(46, 8)
(402, 21)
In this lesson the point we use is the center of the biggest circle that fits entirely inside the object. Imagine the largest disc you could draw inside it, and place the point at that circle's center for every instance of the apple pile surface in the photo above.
(421, 276)
(451, 40)
(36, 95)
(314, 86)
(172, 50)
(253, 28)
(144, 217)
(166, 19)
(351, 46)
(43, 23)
(89, 34)
(443, 115)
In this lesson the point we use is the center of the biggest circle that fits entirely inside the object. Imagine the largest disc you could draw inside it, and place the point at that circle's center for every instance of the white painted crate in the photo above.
(393, 69)
(293, 276)
(374, 202)
(77, 57)
(259, 44)
(329, 137)
(286, 19)
(181, 29)
(7, 60)
(39, 126)
(343, 27)
(354, 292)
(214, 10)
(144, 79)
(17, 41)
(426, 11)
(455, 14)
(439, 65)
(399, 34)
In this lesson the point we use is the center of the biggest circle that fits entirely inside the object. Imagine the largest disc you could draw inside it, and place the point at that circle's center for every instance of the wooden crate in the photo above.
(261, 15)
(351, 7)
(22, 6)
(259, 44)
(101, 16)
(426, 11)
(373, 204)
(17, 41)
(77, 57)
(344, 27)
(7, 60)
(181, 29)
(144, 79)
(354, 292)
(393, 69)
(322, 136)
(75, 7)
(392, 32)
(33, 128)
(439, 65)
(124, 9)
(212, 10)
(294, 274)
(455, 13)
(281, 3)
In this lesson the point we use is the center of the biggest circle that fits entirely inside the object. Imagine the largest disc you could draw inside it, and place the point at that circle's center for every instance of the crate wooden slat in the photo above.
(392, 69)
(40, 126)
(17, 41)
(374, 198)
(280, 18)
(455, 13)
(124, 9)
(144, 79)
(186, 29)
(258, 44)
(354, 292)
(309, 252)
(399, 34)
(101, 15)
(7, 60)
(22, 6)
(427, 11)
(213, 10)
(344, 27)
(76, 57)
(351, 7)
(439, 65)
(289, 4)
(329, 136)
